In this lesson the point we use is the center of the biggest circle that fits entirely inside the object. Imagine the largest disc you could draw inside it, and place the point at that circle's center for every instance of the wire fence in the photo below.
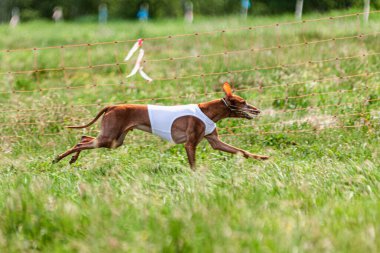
(358, 98)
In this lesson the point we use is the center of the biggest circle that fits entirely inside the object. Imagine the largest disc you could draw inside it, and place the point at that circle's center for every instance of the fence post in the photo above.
(366, 10)
(299, 5)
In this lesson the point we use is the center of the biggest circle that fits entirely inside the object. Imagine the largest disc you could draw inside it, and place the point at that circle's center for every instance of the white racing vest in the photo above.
(162, 118)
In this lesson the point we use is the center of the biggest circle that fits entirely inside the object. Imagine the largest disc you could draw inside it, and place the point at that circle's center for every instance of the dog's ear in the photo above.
(227, 89)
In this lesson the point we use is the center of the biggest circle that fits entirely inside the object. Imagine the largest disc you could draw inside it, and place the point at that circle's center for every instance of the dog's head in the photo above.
(238, 107)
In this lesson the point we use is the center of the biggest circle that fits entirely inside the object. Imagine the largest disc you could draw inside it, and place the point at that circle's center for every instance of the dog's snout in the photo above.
(255, 110)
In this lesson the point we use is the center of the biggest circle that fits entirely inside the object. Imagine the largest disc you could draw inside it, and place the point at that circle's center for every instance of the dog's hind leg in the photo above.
(78, 148)
(120, 140)
(84, 139)
(115, 143)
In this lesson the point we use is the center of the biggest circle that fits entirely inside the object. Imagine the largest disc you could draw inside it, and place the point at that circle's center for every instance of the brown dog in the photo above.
(188, 125)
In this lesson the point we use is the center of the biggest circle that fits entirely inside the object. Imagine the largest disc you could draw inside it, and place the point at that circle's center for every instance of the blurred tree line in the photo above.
(127, 9)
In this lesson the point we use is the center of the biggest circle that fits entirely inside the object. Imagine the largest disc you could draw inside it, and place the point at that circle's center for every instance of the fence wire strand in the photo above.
(92, 68)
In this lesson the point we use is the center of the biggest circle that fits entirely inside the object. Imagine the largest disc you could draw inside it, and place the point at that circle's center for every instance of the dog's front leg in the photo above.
(191, 144)
(194, 135)
(217, 144)
(190, 151)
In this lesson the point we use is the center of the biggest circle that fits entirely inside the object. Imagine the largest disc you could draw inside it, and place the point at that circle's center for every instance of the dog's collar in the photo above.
(228, 105)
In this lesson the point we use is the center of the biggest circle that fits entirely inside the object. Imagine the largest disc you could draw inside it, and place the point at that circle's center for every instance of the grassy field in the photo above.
(319, 192)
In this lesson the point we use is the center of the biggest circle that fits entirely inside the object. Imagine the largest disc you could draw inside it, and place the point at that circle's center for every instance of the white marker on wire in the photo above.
(134, 49)
(138, 66)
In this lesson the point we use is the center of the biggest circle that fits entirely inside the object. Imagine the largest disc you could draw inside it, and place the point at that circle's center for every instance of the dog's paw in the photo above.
(259, 157)
(55, 160)
(263, 157)
(73, 160)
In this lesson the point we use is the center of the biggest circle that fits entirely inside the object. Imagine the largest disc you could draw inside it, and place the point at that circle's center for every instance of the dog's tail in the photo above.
(104, 110)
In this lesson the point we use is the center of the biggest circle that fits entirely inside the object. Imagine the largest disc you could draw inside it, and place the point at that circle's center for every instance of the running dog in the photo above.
(187, 124)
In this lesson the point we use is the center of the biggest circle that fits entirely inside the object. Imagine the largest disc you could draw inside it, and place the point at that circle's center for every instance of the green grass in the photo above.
(319, 192)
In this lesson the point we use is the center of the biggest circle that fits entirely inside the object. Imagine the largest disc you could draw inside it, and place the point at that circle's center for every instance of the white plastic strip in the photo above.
(133, 49)
(144, 75)
(137, 64)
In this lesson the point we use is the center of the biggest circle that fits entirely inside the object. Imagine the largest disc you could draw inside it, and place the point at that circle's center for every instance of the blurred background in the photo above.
(128, 9)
